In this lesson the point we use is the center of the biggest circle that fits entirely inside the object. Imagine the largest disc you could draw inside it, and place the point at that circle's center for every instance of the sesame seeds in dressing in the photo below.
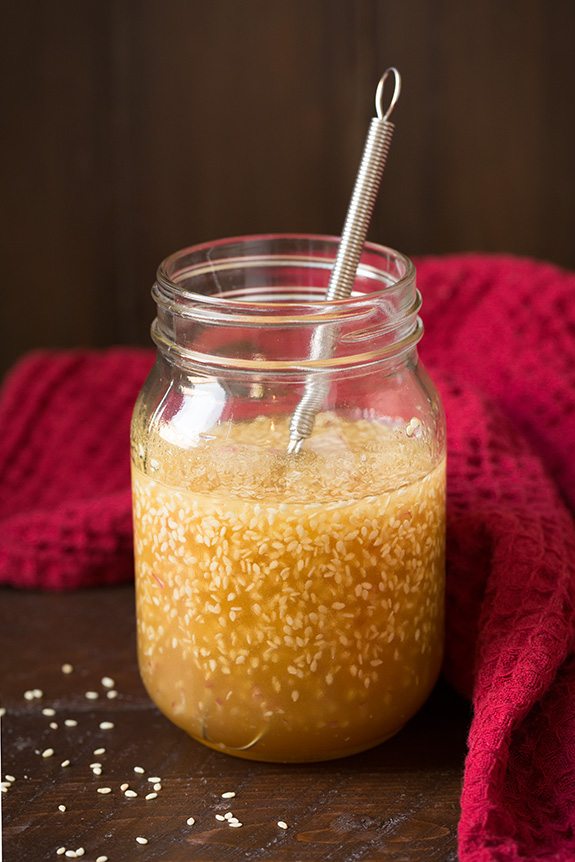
(292, 610)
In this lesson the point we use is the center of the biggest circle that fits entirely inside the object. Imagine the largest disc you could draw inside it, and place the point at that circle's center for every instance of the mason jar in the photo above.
(290, 605)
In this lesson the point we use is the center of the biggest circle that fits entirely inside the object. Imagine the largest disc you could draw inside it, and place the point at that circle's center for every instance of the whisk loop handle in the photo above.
(343, 274)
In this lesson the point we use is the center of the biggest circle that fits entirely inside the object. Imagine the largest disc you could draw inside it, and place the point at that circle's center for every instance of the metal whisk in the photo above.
(349, 252)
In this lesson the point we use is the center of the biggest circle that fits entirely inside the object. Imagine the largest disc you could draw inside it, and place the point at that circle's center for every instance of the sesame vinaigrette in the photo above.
(289, 609)
(288, 477)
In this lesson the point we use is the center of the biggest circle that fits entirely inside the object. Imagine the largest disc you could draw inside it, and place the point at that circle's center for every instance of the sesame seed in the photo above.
(107, 682)
(10, 778)
(190, 821)
(112, 694)
(95, 765)
(139, 769)
(29, 695)
(97, 771)
(48, 711)
(157, 786)
(54, 725)
(80, 851)
(104, 789)
(229, 794)
(151, 796)
(124, 787)
(67, 668)
(141, 840)
(106, 725)
(220, 817)
(71, 854)
(37, 692)
(235, 824)
(91, 695)
(61, 808)
(102, 859)
(98, 751)
(60, 851)
(295, 696)
(65, 763)
(2, 711)
(48, 752)
(282, 824)
(131, 794)
(70, 722)
(154, 779)
(229, 816)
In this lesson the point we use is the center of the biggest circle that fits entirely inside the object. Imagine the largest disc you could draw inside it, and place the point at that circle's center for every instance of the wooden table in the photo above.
(397, 802)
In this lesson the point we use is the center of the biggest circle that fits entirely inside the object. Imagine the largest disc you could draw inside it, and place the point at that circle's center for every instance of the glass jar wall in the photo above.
(290, 606)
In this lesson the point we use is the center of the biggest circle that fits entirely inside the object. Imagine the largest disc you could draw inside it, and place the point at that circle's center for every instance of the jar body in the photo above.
(290, 607)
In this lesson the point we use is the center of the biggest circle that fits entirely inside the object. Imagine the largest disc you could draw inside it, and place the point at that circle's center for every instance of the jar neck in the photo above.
(256, 305)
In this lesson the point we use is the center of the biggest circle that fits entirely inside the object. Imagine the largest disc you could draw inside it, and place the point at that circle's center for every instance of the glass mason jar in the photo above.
(290, 606)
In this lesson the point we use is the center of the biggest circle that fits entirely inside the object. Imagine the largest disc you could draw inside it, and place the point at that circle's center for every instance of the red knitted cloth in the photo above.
(501, 345)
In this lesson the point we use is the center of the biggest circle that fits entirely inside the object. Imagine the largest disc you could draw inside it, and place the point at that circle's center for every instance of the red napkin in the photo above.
(500, 343)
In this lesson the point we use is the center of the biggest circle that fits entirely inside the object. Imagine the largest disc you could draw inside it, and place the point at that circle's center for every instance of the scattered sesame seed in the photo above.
(131, 794)
(61, 808)
(80, 851)
(102, 859)
(70, 722)
(91, 695)
(229, 816)
(67, 668)
(151, 796)
(295, 696)
(124, 786)
(10, 778)
(98, 751)
(154, 779)
(48, 752)
(220, 817)
(29, 695)
(139, 769)
(97, 771)
(71, 854)
(282, 824)
(157, 786)
(235, 824)
(107, 682)
(112, 694)
(37, 692)
(48, 711)
(2, 711)
(106, 725)
(65, 763)
(54, 725)
(104, 789)
(229, 794)
(60, 851)
(190, 821)
(141, 840)
(3, 788)
(95, 765)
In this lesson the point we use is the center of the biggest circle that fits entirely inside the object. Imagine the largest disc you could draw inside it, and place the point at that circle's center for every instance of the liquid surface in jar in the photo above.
(291, 608)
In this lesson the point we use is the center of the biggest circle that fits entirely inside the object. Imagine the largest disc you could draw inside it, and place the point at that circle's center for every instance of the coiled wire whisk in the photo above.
(343, 274)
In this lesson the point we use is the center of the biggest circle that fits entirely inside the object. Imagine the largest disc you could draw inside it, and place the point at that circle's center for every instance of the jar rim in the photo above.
(166, 279)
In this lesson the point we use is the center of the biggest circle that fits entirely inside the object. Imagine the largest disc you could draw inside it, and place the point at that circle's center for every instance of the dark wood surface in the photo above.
(397, 802)
(130, 129)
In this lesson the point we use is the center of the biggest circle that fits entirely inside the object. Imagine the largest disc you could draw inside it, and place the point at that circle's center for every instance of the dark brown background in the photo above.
(133, 127)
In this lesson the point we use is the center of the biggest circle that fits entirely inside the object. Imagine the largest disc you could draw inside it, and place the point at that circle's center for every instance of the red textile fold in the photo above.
(500, 344)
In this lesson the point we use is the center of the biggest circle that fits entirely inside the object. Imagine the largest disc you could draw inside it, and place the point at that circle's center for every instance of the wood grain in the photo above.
(132, 129)
(398, 802)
